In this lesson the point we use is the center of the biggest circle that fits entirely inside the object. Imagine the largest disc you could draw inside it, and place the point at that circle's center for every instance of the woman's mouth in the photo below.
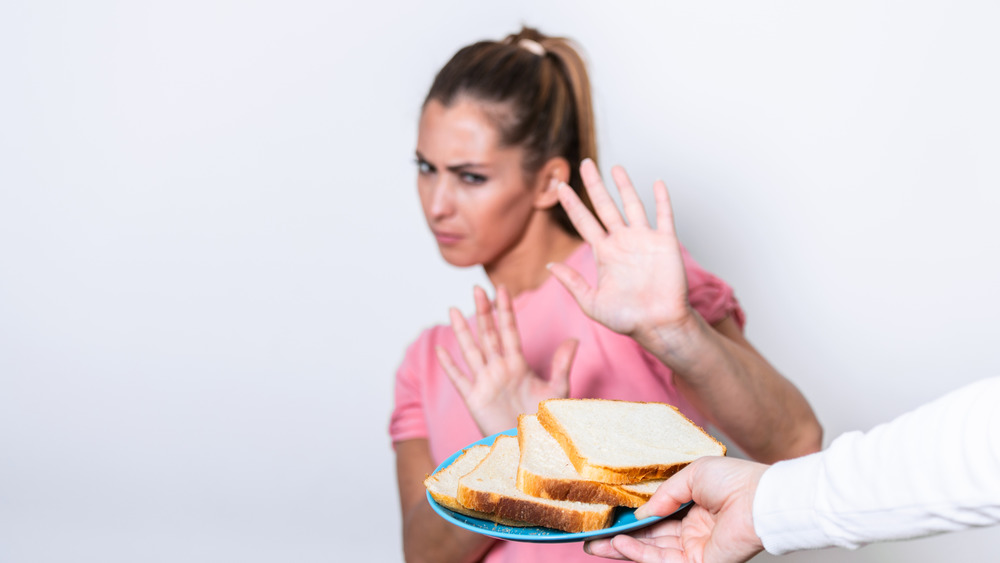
(446, 238)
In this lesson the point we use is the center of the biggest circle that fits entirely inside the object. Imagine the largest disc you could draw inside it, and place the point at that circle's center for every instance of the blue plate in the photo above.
(624, 518)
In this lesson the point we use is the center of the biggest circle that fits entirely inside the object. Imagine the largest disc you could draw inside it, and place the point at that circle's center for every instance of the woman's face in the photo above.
(472, 191)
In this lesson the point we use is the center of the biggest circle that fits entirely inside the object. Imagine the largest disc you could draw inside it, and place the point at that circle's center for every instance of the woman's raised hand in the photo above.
(500, 385)
(641, 282)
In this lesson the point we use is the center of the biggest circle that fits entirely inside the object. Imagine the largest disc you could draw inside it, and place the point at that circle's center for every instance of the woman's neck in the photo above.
(522, 268)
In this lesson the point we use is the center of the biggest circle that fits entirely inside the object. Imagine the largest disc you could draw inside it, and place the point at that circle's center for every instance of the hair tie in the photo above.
(532, 46)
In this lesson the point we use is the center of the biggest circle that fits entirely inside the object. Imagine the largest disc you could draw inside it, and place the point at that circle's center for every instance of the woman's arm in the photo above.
(742, 394)
(642, 292)
(427, 536)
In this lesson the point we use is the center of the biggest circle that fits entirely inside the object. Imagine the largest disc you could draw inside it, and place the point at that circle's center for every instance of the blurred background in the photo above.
(212, 254)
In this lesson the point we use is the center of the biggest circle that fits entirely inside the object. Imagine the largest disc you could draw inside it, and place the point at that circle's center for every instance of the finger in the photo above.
(470, 350)
(510, 338)
(673, 493)
(604, 206)
(575, 283)
(458, 379)
(668, 530)
(643, 552)
(602, 548)
(562, 361)
(664, 210)
(581, 217)
(666, 541)
(487, 328)
(635, 212)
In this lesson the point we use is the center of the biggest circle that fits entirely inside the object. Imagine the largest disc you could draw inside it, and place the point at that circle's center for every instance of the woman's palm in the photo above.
(640, 271)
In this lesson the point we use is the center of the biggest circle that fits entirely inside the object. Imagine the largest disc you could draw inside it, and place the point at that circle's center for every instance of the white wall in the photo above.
(212, 257)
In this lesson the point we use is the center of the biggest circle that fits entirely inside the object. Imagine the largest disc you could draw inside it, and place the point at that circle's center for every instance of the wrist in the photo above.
(494, 416)
(674, 341)
(492, 424)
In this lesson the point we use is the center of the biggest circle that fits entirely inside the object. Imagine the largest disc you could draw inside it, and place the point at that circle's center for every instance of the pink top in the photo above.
(607, 365)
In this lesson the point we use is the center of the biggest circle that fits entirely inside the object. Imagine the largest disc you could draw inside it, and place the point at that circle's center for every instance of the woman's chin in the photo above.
(458, 260)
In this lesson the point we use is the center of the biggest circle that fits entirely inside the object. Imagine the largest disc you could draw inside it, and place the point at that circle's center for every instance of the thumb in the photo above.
(562, 361)
(575, 283)
(669, 497)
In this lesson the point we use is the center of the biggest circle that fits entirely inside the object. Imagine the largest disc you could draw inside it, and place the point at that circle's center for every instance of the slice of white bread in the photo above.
(639, 493)
(490, 487)
(443, 485)
(623, 442)
(545, 471)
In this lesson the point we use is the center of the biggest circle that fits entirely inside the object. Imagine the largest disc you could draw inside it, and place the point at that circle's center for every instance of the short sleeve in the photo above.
(407, 420)
(709, 295)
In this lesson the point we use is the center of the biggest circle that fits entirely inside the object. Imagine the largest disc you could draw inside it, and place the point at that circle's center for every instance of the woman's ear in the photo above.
(557, 169)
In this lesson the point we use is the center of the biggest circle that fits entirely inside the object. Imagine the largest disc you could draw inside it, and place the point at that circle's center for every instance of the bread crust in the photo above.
(604, 474)
(539, 514)
(634, 499)
(569, 489)
(452, 504)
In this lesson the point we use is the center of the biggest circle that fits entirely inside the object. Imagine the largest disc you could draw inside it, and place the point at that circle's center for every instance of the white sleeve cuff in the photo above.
(784, 515)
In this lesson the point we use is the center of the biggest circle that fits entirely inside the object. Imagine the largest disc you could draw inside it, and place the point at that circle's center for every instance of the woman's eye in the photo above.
(474, 179)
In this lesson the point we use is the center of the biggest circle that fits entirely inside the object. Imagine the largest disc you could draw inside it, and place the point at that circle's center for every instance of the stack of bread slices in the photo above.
(571, 464)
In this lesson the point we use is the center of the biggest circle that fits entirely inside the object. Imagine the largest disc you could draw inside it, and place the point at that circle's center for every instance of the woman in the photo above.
(503, 125)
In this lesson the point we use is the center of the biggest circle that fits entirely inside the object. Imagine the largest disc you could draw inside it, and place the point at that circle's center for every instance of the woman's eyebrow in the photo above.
(453, 167)
(464, 165)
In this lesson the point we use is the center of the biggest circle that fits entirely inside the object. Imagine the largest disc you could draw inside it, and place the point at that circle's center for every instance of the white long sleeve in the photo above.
(932, 470)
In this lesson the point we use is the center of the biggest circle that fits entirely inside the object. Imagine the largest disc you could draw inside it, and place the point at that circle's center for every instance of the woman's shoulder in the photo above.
(420, 355)
(431, 337)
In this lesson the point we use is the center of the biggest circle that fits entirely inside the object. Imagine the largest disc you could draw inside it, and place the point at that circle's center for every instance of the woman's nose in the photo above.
(442, 198)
